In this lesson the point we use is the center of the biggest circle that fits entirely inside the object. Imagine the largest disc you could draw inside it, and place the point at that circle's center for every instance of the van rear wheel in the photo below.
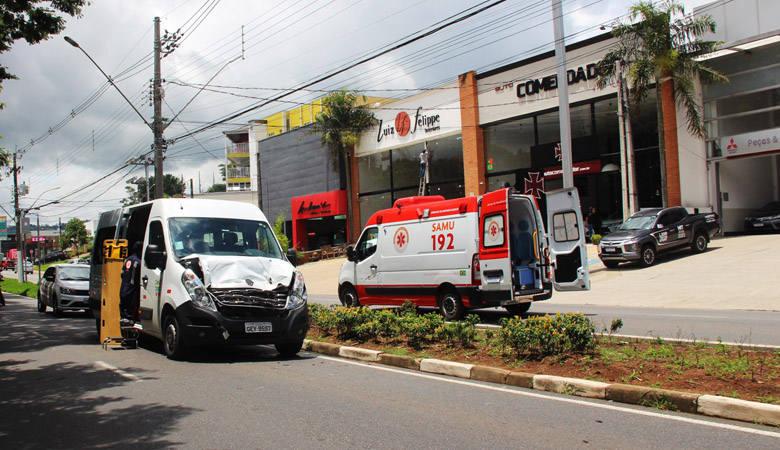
(172, 341)
(349, 297)
(451, 306)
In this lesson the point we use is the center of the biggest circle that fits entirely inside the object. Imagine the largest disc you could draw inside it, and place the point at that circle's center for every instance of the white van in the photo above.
(213, 273)
(465, 253)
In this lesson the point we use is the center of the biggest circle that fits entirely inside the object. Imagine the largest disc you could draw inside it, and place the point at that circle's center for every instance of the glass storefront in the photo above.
(387, 176)
(516, 147)
(749, 102)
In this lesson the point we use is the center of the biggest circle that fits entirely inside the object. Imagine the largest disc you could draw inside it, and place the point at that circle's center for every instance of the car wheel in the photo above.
(288, 349)
(56, 307)
(648, 256)
(172, 340)
(41, 305)
(518, 309)
(699, 243)
(451, 306)
(97, 327)
(349, 297)
(610, 264)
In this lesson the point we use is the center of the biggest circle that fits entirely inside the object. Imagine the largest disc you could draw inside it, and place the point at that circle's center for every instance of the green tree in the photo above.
(284, 241)
(219, 187)
(658, 49)
(172, 187)
(344, 117)
(75, 235)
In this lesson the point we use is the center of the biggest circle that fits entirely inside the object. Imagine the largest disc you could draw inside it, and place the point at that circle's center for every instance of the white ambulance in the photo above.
(472, 252)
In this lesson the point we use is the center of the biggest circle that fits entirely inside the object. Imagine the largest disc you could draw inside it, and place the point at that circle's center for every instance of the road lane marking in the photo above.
(560, 399)
(117, 371)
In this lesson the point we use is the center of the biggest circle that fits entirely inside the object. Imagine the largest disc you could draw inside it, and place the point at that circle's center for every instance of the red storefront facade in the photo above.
(319, 219)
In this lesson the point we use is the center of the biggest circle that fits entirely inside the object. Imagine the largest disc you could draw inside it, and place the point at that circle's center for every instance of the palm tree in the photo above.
(344, 117)
(660, 49)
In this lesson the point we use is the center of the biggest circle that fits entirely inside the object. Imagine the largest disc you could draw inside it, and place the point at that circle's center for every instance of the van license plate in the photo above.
(258, 327)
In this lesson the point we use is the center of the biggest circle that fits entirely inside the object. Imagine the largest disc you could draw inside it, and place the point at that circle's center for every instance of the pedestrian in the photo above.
(423, 159)
(129, 291)
(594, 221)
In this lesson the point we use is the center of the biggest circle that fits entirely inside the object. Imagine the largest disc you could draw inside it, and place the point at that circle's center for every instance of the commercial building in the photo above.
(501, 127)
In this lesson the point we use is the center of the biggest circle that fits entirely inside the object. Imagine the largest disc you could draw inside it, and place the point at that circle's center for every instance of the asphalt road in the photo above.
(59, 389)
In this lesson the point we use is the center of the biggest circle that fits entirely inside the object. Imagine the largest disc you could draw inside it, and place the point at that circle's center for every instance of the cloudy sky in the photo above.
(74, 132)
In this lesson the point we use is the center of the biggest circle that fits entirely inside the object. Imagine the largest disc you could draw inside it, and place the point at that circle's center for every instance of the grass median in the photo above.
(565, 345)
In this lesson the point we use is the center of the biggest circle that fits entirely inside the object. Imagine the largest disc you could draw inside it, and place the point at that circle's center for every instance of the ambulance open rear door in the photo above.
(495, 264)
(567, 240)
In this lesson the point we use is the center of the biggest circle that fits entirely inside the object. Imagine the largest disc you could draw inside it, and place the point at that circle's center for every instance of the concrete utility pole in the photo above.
(19, 219)
(157, 126)
(563, 94)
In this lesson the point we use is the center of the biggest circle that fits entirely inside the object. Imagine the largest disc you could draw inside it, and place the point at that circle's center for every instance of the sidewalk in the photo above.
(734, 273)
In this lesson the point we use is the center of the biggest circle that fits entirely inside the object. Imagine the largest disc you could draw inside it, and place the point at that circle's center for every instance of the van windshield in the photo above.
(223, 237)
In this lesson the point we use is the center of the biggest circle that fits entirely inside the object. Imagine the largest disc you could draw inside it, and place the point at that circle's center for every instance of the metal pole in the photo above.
(38, 247)
(157, 125)
(146, 172)
(563, 94)
(623, 159)
(633, 200)
(19, 220)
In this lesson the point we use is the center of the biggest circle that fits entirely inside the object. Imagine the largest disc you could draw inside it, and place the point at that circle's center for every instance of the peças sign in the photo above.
(550, 82)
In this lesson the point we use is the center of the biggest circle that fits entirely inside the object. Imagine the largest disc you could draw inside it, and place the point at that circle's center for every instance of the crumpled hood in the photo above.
(245, 271)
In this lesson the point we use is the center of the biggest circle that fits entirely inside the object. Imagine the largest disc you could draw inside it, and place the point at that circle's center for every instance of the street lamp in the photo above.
(20, 213)
(156, 127)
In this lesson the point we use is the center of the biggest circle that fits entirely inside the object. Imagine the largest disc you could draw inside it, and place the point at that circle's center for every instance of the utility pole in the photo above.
(627, 178)
(563, 94)
(157, 126)
(19, 219)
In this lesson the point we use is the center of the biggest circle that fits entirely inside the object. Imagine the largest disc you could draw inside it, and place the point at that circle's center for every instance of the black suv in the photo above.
(56, 255)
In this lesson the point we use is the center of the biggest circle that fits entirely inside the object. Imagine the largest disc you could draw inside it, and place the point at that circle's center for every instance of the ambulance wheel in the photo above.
(349, 297)
(518, 309)
(172, 341)
(450, 305)
(648, 256)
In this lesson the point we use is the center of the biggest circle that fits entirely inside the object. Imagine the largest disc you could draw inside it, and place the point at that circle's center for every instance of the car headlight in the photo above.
(68, 291)
(197, 290)
(772, 217)
(298, 296)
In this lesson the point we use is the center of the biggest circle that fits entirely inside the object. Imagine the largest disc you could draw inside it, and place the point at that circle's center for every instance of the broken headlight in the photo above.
(197, 290)
(297, 297)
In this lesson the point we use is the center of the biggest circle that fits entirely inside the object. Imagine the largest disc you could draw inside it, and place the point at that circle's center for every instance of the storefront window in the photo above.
(406, 166)
(509, 145)
(581, 121)
(374, 172)
(445, 160)
(369, 204)
(548, 128)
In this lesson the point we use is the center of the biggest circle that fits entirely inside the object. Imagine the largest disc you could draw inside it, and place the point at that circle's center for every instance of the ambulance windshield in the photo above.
(223, 237)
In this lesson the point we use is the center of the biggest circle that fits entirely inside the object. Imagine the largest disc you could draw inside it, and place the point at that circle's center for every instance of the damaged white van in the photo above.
(213, 272)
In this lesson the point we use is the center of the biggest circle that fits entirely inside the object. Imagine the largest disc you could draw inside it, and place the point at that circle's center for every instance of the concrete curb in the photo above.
(710, 405)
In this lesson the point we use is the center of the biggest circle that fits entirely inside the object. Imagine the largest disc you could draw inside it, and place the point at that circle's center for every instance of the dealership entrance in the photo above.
(319, 219)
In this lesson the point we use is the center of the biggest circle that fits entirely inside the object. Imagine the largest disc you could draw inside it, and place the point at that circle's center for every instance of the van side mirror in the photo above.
(350, 253)
(155, 257)
(292, 256)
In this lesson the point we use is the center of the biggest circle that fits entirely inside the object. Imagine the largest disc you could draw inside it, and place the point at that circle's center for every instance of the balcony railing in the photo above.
(238, 172)
(242, 147)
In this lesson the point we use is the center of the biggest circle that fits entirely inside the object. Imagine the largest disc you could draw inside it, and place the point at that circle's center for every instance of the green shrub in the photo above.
(284, 241)
(544, 336)
(595, 239)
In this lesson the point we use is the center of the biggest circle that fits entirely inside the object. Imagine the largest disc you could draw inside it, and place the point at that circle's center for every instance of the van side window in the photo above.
(565, 227)
(156, 234)
(367, 245)
(493, 231)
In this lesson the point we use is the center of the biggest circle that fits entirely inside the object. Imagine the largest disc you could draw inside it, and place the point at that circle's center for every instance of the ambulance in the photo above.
(473, 252)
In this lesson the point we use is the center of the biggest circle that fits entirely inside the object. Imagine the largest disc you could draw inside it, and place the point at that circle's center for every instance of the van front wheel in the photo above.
(451, 306)
(172, 341)
(288, 349)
